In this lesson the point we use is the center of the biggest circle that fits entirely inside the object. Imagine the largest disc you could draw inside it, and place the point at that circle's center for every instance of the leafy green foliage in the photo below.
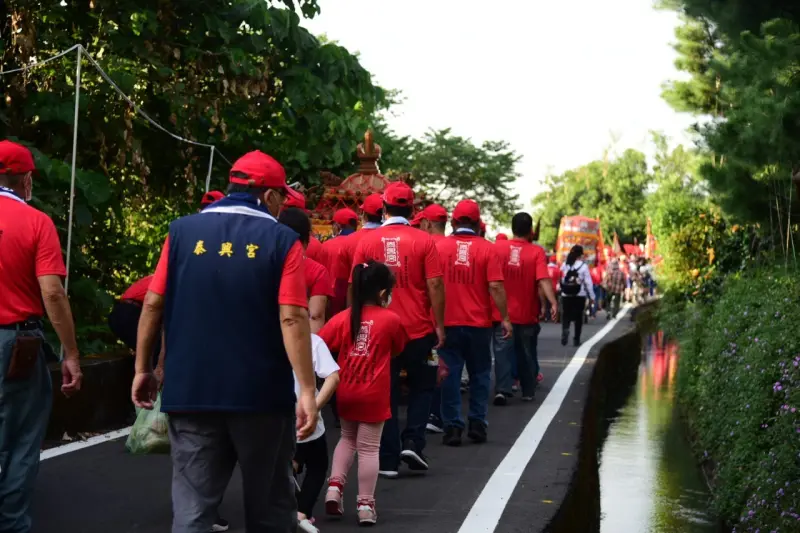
(739, 379)
(241, 75)
(613, 191)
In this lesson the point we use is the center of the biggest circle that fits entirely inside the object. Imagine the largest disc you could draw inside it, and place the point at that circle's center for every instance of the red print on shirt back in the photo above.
(462, 253)
(361, 347)
(391, 251)
(514, 256)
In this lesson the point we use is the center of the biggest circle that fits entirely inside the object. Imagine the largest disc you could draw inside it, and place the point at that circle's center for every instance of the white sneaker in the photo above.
(389, 474)
(305, 526)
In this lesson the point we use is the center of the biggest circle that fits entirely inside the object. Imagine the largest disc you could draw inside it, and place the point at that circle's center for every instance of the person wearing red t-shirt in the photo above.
(367, 337)
(371, 218)
(318, 281)
(473, 278)
(31, 272)
(526, 279)
(555, 276)
(314, 249)
(596, 272)
(345, 222)
(501, 237)
(433, 220)
(230, 286)
(411, 255)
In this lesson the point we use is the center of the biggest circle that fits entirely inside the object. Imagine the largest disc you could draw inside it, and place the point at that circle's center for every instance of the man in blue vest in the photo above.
(230, 286)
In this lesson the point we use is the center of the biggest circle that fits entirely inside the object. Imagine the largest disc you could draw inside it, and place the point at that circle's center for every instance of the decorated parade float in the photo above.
(336, 193)
(583, 231)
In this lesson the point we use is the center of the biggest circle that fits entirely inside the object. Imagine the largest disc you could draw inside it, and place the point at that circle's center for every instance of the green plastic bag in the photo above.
(149, 432)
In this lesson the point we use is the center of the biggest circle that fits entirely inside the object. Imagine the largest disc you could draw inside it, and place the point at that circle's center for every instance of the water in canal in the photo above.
(649, 481)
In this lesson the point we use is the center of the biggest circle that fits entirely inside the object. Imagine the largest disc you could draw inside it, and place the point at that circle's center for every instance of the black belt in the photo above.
(25, 325)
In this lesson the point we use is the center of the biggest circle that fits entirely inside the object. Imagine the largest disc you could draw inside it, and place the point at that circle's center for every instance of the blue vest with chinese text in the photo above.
(224, 345)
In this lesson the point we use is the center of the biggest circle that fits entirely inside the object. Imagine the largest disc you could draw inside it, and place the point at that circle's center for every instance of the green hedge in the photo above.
(739, 387)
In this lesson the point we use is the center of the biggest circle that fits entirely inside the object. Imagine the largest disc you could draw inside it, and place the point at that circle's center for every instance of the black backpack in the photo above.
(571, 284)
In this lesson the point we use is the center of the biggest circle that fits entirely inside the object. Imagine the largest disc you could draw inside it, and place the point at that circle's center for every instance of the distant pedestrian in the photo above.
(31, 273)
(525, 279)
(233, 270)
(576, 288)
(411, 255)
(596, 272)
(555, 276)
(473, 278)
(367, 337)
(615, 286)
(210, 197)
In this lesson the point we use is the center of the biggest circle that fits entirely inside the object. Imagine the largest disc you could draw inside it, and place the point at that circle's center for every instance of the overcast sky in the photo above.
(553, 78)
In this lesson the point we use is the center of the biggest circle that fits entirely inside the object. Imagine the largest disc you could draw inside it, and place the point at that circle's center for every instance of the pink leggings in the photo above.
(365, 439)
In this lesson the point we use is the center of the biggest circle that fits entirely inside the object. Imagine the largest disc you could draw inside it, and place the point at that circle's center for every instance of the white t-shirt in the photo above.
(584, 277)
(324, 366)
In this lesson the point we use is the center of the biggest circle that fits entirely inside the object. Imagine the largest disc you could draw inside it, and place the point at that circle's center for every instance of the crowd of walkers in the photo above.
(389, 301)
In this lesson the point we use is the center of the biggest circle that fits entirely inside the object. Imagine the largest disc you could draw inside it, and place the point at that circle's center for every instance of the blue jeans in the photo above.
(505, 359)
(599, 299)
(24, 411)
(526, 341)
(471, 347)
(421, 383)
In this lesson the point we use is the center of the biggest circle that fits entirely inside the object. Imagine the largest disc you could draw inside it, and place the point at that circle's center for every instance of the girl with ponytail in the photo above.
(366, 336)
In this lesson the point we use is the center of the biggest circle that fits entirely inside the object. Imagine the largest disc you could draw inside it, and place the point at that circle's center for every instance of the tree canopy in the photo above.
(613, 190)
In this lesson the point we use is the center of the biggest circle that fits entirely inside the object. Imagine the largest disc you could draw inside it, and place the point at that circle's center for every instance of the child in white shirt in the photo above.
(312, 453)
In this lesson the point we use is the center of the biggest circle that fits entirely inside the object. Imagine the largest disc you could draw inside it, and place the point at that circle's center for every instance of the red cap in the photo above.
(372, 204)
(295, 199)
(435, 213)
(210, 197)
(398, 194)
(15, 158)
(468, 209)
(261, 171)
(417, 220)
(501, 237)
(345, 216)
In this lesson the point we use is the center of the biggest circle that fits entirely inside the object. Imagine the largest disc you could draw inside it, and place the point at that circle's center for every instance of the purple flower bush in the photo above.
(739, 388)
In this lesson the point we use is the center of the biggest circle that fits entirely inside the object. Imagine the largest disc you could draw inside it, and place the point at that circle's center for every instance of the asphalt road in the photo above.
(102, 489)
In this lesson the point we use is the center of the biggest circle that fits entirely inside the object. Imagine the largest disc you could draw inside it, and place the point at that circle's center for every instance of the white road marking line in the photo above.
(487, 510)
(81, 444)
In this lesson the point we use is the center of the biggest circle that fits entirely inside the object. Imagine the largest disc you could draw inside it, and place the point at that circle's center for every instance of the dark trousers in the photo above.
(312, 458)
(25, 406)
(421, 382)
(206, 448)
(572, 309)
(124, 323)
(526, 347)
(470, 347)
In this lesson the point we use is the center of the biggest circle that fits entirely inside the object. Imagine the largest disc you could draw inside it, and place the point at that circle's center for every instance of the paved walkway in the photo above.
(102, 489)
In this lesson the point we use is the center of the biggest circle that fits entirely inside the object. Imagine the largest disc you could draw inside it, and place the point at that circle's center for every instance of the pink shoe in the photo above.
(366, 513)
(540, 377)
(333, 500)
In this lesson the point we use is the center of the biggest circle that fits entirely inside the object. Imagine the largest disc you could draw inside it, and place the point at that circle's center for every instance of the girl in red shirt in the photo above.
(366, 336)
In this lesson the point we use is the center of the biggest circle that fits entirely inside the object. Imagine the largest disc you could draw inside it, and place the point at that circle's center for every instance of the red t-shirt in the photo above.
(318, 281)
(293, 281)
(347, 251)
(469, 263)
(314, 250)
(364, 391)
(138, 290)
(597, 275)
(330, 250)
(555, 275)
(411, 254)
(523, 266)
(29, 249)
